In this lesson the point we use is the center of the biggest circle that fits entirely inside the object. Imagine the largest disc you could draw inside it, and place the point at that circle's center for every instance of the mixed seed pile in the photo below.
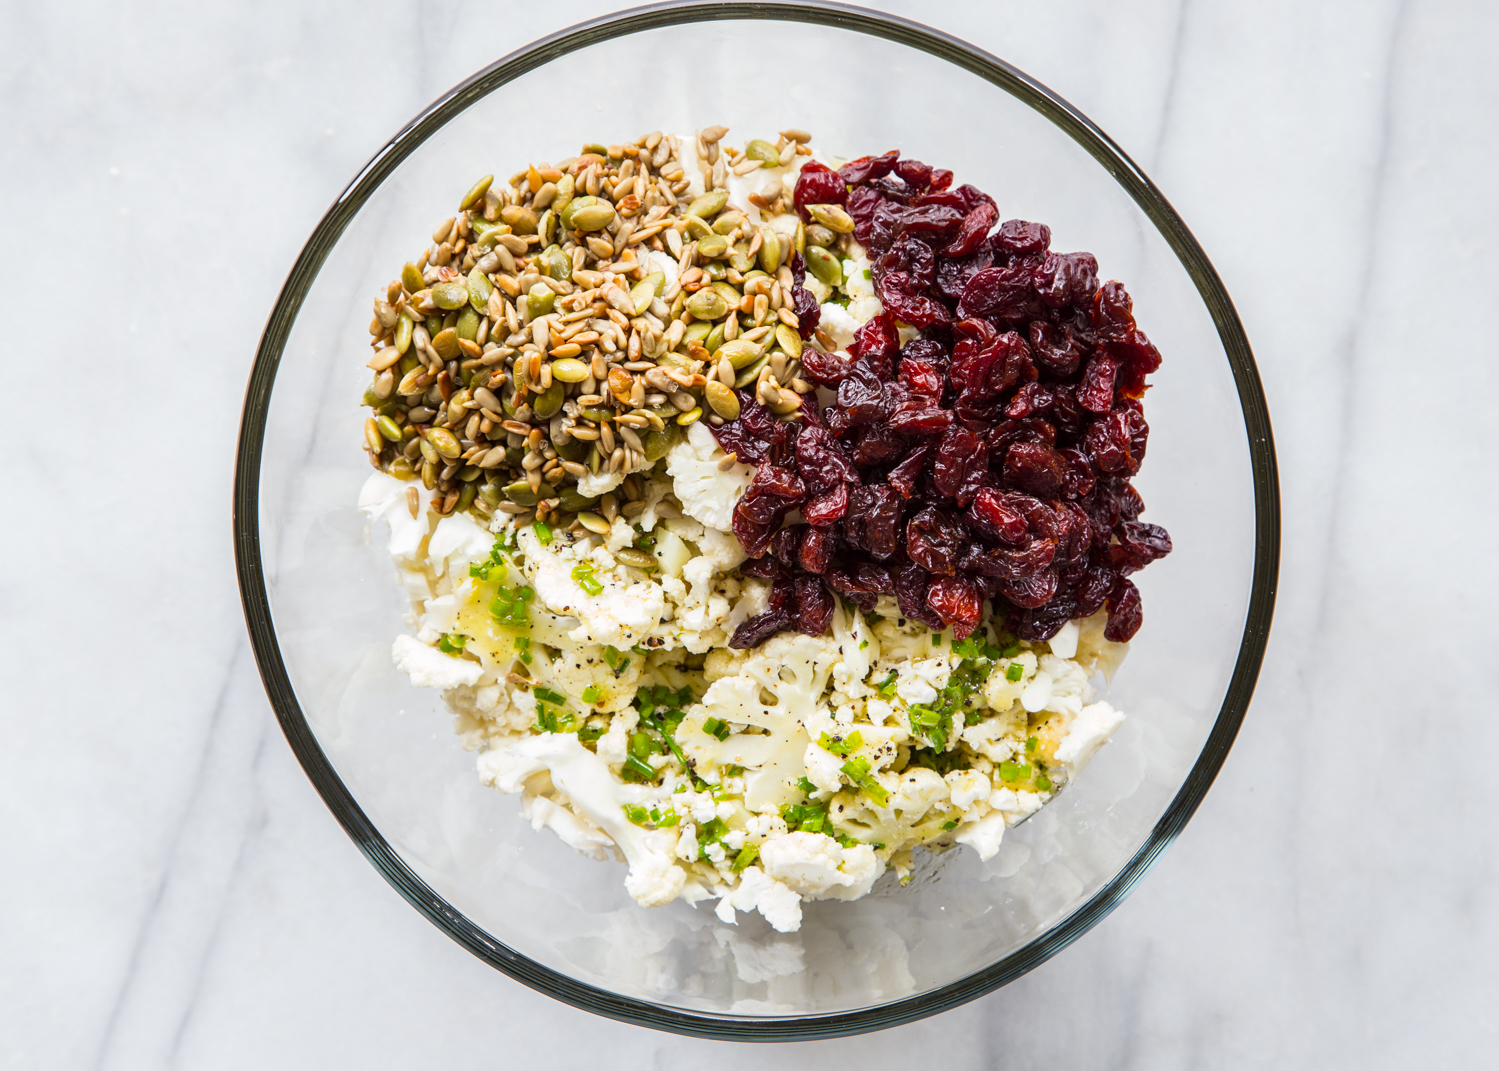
(535, 343)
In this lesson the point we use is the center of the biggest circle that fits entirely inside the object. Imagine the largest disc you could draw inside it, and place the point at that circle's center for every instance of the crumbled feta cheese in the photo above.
(967, 787)
(599, 483)
(430, 668)
(1089, 731)
(815, 867)
(984, 835)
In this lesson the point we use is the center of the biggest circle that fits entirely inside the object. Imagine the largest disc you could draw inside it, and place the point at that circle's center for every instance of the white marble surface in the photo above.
(174, 894)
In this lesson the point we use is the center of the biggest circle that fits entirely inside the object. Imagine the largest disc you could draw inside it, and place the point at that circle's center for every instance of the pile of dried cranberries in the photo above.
(987, 458)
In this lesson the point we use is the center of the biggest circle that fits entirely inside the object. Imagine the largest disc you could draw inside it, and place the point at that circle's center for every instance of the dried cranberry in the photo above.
(873, 520)
(1018, 236)
(954, 274)
(1140, 359)
(904, 476)
(920, 376)
(877, 444)
(1079, 480)
(935, 539)
(1029, 592)
(901, 295)
(1001, 294)
(973, 232)
(827, 507)
(1029, 561)
(912, 256)
(771, 494)
(1096, 392)
(814, 605)
(817, 548)
(780, 615)
(961, 466)
(911, 585)
(1056, 350)
(1113, 317)
(1066, 279)
(868, 167)
(916, 414)
(1116, 442)
(932, 219)
(1138, 545)
(958, 601)
(997, 518)
(1093, 590)
(818, 185)
(914, 173)
(821, 461)
(877, 343)
(785, 544)
(803, 303)
(862, 398)
(864, 582)
(1125, 612)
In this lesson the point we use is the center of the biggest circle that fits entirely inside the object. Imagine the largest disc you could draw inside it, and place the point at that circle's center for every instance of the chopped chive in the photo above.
(1043, 783)
(805, 785)
(549, 696)
(936, 639)
(591, 694)
(863, 644)
(1014, 671)
(543, 532)
(1031, 742)
(747, 855)
(636, 813)
(1012, 771)
(886, 690)
(452, 643)
(716, 728)
(951, 823)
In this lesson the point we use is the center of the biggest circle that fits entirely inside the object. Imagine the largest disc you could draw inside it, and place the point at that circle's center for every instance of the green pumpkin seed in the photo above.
(739, 260)
(716, 270)
(833, 218)
(824, 265)
(411, 279)
(470, 473)
(467, 325)
(731, 297)
(566, 214)
(429, 474)
(445, 342)
(523, 220)
(540, 299)
(726, 223)
(444, 442)
(486, 233)
(594, 217)
(770, 250)
(565, 188)
(800, 242)
(696, 332)
(817, 234)
(408, 364)
(598, 416)
(709, 204)
(637, 559)
(521, 494)
(465, 497)
(452, 295)
(715, 338)
(739, 352)
(657, 443)
(403, 334)
(723, 400)
(547, 404)
(572, 450)
(429, 452)
(434, 323)
(696, 228)
(476, 191)
(712, 245)
(763, 151)
(789, 341)
(574, 500)
(593, 522)
(491, 493)
(646, 291)
(569, 370)
(707, 304)
(748, 376)
(402, 469)
(547, 224)
(690, 416)
(371, 399)
(556, 263)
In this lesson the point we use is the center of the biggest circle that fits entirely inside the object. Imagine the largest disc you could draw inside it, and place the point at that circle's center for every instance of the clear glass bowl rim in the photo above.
(299, 734)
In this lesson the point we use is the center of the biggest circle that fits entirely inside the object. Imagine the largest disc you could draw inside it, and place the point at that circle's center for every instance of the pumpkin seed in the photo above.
(445, 342)
(593, 522)
(594, 217)
(487, 233)
(403, 334)
(763, 151)
(696, 228)
(690, 416)
(716, 270)
(709, 204)
(789, 341)
(751, 371)
(565, 187)
(723, 401)
(715, 338)
(521, 494)
(574, 500)
(444, 442)
(770, 249)
(824, 265)
(832, 217)
(696, 331)
(547, 404)
(467, 325)
(411, 279)
(450, 295)
(401, 468)
(556, 263)
(731, 297)
(540, 299)
(739, 352)
(429, 452)
(475, 193)
(726, 223)
(521, 219)
(637, 559)
(712, 245)
(465, 497)
(707, 304)
(657, 443)
(569, 370)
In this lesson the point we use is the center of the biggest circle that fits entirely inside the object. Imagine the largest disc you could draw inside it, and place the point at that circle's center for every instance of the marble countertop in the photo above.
(174, 894)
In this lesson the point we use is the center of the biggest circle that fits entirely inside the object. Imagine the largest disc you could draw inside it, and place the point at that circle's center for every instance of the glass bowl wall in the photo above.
(323, 605)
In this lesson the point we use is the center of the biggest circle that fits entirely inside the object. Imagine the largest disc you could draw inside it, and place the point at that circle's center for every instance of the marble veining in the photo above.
(176, 896)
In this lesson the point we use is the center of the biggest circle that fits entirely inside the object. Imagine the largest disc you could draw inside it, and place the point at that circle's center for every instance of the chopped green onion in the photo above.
(863, 644)
(591, 694)
(635, 770)
(452, 643)
(589, 733)
(936, 639)
(886, 690)
(543, 532)
(636, 813)
(747, 855)
(583, 574)
(548, 696)
(951, 823)
(1043, 783)
(716, 728)
(857, 771)
(1012, 771)
(805, 785)
(1014, 671)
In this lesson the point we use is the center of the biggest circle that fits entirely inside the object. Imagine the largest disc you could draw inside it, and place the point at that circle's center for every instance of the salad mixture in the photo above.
(762, 519)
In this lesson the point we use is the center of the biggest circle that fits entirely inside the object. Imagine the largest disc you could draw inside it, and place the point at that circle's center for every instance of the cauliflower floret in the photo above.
(998, 736)
(1089, 731)
(908, 813)
(757, 891)
(706, 492)
(599, 483)
(984, 835)
(430, 668)
(813, 866)
(967, 787)
(1016, 806)
(824, 769)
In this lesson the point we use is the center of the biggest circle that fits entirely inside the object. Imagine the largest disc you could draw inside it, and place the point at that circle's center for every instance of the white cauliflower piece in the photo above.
(599, 483)
(1089, 731)
(984, 835)
(758, 891)
(706, 492)
(824, 769)
(815, 867)
(430, 668)
(967, 787)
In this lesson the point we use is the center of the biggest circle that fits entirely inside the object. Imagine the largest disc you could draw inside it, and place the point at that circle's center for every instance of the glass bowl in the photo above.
(323, 605)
